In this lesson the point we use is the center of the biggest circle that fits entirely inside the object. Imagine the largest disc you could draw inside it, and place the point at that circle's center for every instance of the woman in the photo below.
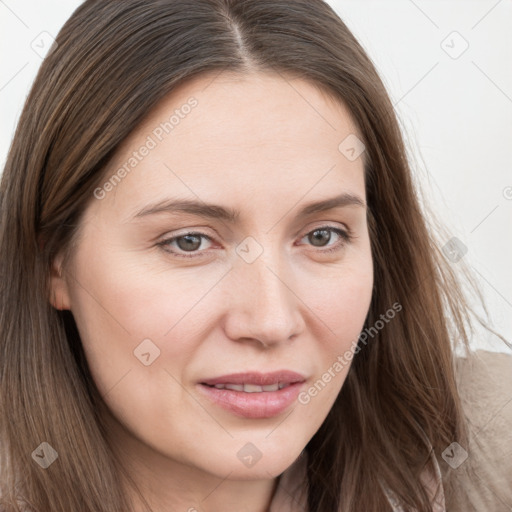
(218, 288)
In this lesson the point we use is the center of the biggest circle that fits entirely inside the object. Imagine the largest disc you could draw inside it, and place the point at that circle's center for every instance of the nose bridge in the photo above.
(264, 306)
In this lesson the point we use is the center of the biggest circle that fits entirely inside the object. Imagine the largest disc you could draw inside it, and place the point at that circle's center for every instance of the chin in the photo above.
(251, 463)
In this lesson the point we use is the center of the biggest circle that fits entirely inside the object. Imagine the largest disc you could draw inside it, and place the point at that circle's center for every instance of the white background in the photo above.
(456, 111)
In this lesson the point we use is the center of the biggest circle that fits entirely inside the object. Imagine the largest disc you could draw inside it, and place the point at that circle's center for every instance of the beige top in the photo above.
(482, 482)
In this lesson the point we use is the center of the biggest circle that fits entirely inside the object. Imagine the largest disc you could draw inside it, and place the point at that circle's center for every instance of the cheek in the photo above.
(345, 302)
(150, 300)
(122, 317)
(129, 313)
(341, 306)
(343, 299)
(120, 292)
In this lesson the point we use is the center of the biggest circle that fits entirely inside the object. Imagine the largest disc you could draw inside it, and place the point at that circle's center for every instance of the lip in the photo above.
(257, 378)
(258, 405)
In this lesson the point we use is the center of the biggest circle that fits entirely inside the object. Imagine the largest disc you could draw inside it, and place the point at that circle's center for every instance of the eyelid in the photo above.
(193, 254)
(326, 225)
(344, 232)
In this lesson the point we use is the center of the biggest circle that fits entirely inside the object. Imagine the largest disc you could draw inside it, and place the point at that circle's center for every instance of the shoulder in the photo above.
(485, 386)
(482, 362)
(480, 476)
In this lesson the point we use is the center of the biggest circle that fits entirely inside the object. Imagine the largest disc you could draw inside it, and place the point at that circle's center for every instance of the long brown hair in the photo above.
(113, 61)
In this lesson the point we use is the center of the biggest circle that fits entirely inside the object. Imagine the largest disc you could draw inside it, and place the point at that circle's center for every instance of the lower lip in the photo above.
(265, 404)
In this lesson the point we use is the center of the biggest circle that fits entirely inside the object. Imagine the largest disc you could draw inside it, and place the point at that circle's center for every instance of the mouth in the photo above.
(250, 388)
(254, 395)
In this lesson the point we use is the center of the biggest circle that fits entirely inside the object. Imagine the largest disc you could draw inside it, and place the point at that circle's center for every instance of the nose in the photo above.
(263, 307)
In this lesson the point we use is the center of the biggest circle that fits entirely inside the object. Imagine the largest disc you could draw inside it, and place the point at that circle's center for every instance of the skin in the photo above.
(265, 146)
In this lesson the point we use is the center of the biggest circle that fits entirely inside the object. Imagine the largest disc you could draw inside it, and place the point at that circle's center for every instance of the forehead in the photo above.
(245, 111)
(242, 136)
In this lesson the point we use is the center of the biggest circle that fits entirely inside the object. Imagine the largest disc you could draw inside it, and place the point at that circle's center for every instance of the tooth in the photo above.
(235, 387)
(251, 388)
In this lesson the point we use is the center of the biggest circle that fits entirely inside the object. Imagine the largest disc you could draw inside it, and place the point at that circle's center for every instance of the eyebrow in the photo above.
(231, 215)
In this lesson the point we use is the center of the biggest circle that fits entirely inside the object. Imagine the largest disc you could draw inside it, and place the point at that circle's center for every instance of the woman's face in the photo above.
(202, 260)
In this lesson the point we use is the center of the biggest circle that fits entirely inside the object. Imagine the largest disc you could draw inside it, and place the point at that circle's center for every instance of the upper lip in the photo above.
(257, 378)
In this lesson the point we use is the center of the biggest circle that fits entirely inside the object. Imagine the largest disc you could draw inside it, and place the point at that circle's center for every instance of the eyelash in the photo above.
(345, 235)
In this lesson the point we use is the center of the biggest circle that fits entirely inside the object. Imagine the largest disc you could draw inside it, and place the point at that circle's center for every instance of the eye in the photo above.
(188, 242)
(320, 237)
(191, 242)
